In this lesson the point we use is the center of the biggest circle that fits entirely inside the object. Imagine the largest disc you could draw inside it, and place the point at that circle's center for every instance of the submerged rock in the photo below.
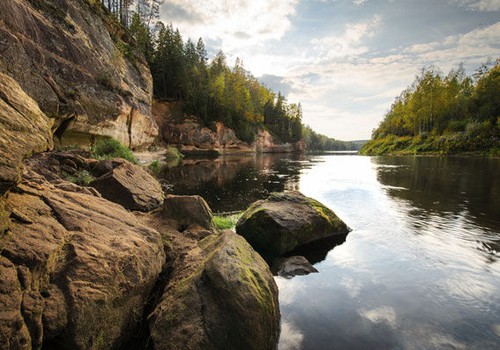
(221, 296)
(292, 266)
(285, 221)
(131, 186)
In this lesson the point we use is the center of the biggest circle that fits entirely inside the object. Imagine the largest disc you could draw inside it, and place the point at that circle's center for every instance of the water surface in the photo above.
(420, 269)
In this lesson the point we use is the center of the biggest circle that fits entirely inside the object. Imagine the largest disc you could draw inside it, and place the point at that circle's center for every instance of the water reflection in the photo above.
(234, 182)
(450, 195)
(317, 251)
(421, 268)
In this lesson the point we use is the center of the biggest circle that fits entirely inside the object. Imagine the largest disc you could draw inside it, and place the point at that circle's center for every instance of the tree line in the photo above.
(147, 10)
(443, 107)
(211, 90)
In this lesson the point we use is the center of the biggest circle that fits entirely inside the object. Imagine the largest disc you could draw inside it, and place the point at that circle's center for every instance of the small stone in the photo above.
(292, 266)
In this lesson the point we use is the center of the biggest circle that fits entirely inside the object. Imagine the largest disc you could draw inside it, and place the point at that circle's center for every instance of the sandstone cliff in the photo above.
(186, 133)
(73, 61)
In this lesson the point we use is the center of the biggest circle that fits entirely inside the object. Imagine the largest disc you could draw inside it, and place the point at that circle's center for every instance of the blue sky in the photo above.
(344, 60)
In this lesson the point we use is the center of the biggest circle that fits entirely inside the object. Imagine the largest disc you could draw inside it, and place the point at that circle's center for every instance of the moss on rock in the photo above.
(287, 220)
(222, 296)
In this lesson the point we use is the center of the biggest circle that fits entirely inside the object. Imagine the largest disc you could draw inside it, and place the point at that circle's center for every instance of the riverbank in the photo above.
(448, 144)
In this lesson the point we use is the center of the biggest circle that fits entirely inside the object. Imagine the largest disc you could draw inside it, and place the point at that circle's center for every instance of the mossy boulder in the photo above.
(286, 221)
(222, 295)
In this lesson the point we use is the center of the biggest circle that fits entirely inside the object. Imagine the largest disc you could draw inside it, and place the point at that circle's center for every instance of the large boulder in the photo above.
(186, 211)
(131, 186)
(221, 296)
(76, 269)
(74, 60)
(285, 221)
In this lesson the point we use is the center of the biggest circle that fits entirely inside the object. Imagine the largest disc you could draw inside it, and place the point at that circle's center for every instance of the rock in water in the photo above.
(285, 221)
(292, 266)
(221, 296)
(131, 186)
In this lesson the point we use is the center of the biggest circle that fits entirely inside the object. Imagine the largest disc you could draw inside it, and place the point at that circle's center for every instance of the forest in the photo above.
(444, 114)
(211, 89)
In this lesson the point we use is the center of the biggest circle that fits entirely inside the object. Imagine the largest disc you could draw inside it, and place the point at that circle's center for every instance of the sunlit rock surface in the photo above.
(73, 61)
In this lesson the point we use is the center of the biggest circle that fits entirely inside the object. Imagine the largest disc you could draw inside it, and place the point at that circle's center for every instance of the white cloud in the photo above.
(383, 314)
(235, 23)
(358, 2)
(354, 92)
(350, 42)
(291, 337)
(479, 5)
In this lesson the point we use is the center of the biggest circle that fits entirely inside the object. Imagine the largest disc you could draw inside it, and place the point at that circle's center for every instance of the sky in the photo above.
(345, 61)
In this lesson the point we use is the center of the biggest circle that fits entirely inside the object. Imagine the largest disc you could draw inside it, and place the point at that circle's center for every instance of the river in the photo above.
(420, 269)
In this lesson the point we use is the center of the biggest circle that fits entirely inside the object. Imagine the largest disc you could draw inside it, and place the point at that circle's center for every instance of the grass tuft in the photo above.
(106, 147)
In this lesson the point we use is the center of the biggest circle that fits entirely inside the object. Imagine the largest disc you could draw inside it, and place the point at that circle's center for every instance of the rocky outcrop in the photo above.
(78, 269)
(222, 296)
(129, 185)
(75, 62)
(285, 221)
(24, 130)
(191, 137)
(266, 143)
(81, 272)
(292, 266)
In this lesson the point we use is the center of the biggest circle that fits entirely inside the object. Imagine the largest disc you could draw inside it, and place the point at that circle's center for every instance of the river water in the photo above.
(420, 269)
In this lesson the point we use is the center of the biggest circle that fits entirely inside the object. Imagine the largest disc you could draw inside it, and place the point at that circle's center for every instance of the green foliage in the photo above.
(106, 147)
(226, 222)
(443, 114)
(81, 177)
(318, 142)
(173, 153)
(215, 92)
(155, 166)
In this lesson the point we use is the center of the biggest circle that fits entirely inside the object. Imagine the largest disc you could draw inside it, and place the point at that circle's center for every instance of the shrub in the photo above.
(106, 147)
(81, 177)
(173, 153)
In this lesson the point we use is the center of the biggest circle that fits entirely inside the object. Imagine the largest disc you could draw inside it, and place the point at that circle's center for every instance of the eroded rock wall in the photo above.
(186, 133)
(74, 62)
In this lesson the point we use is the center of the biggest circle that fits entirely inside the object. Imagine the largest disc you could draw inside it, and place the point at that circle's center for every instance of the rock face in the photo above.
(75, 63)
(222, 296)
(285, 221)
(265, 143)
(24, 129)
(292, 266)
(129, 185)
(76, 269)
(191, 137)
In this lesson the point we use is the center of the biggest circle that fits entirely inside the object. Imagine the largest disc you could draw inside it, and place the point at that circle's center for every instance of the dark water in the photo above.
(420, 270)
